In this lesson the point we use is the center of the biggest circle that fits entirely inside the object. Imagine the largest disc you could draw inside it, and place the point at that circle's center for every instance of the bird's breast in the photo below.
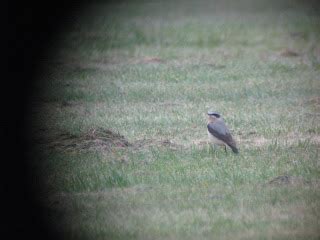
(215, 140)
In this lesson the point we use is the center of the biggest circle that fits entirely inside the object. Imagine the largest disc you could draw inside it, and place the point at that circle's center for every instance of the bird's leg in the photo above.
(225, 148)
(211, 148)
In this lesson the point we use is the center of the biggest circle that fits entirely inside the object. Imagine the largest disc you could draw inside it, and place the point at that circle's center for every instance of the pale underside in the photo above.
(215, 140)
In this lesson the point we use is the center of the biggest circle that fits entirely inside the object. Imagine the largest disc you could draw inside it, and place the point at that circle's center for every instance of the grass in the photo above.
(151, 71)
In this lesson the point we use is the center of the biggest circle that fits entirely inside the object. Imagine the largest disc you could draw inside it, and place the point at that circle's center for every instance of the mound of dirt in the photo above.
(94, 139)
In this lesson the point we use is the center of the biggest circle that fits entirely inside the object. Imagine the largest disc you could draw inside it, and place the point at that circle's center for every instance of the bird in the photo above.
(219, 133)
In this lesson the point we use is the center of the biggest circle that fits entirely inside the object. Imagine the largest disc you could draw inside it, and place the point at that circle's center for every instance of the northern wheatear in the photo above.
(219, 133)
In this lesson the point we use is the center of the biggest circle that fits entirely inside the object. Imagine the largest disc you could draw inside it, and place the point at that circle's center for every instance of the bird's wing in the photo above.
(220, 131)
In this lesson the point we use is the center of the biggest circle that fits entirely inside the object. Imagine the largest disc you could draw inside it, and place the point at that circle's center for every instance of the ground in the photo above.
(119, 121)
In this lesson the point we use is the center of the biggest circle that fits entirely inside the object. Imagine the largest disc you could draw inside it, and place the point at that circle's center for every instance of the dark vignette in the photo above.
(30, 29)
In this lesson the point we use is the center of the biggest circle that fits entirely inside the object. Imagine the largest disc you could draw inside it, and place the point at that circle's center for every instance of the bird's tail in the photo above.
(234, 149)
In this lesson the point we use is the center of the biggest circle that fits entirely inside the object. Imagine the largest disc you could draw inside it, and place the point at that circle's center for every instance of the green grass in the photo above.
(150, 71)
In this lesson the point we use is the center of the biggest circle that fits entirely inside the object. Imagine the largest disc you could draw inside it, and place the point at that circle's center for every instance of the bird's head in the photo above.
(213, 115)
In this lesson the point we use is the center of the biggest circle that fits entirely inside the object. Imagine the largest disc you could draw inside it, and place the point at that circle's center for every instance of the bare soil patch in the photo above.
(253, 139)
(149, 60)
(289, 53)
(145, 143)
(314, 101)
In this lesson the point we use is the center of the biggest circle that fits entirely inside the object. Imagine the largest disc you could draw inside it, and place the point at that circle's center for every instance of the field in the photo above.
(119, 121)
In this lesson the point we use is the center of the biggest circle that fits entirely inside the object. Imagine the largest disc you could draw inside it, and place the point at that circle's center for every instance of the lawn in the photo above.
(119, 121)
